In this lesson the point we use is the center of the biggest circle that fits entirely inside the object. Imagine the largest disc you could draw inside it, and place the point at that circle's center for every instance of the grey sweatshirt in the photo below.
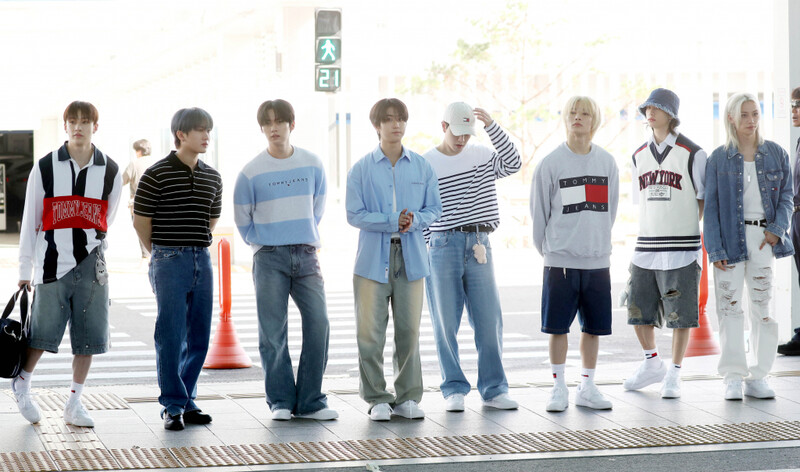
(574, 201)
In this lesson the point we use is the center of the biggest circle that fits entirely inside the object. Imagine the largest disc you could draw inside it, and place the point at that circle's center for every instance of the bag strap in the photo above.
(23, 307)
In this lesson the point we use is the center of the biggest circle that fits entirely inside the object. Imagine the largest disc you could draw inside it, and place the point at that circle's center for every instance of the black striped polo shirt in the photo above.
(180, 201)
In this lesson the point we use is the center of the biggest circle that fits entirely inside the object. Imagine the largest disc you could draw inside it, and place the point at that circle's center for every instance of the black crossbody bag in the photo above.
(14, 336)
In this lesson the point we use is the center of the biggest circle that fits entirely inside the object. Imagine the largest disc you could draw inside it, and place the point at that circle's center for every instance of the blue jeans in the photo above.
(183, 282)
(457, 279)
(278, 272)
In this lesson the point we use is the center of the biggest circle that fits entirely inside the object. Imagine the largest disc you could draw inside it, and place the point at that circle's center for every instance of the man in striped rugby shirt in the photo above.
(177, 205)
(460, 254)
(71, 198)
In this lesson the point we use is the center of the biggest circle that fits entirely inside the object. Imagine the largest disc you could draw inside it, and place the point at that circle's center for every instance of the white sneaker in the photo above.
(454, 402)
(733, 390)
(671, 388)
(645, 376)
(381, 412)
(559, 399)
(324, 414)
(758, 389)
(591, 397)
(75, 414)
(281, 414)
(27, 406)
(408, 409)
(501, 402)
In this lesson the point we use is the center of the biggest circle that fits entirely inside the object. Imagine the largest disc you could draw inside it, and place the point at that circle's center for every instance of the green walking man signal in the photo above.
(327, 49)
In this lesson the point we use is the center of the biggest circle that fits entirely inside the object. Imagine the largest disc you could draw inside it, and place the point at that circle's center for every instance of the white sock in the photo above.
(75, 391)
(651, 359)
(23, 380)
(587, 377)
(558, 375)
(674, 369)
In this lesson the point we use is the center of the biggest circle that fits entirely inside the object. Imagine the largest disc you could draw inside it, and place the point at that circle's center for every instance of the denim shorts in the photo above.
(76, 298)
(656, 296)
(585, 292)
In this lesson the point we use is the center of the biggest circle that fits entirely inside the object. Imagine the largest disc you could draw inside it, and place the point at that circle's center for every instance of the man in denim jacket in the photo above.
(746, 223)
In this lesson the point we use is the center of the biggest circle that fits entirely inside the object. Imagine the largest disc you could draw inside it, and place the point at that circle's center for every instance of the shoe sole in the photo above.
(455, 410)
(639, 387)
(555, 410)
(670, 395)
(760, 398)
(79, 425)
(594, 407)
(409, 417)
(380, 418)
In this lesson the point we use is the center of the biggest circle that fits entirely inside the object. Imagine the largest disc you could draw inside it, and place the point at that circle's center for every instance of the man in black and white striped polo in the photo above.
(177, 205)
(460, 254)
(71, 198)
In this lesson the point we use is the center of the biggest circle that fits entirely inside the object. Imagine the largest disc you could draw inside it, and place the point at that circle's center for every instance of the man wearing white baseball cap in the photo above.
(460, 254)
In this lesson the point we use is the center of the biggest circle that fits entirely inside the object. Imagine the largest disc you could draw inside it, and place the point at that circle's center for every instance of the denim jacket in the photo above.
(723, 216)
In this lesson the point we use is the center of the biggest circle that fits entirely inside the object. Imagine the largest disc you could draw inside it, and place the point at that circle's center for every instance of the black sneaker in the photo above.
(196, 417)
(173, 422)
(792, 348)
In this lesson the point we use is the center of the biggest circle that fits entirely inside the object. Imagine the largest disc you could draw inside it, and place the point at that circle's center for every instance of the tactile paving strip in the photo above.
(386, 448)
(256, 454)
(145, 458)
(26, 462)
(78, 454)
(445, 446)
(205, 456)
(51, 401)
(84, 459)
(57, 435)
(325, 451)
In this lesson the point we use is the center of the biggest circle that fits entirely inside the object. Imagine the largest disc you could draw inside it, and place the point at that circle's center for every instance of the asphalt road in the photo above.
(132, 357)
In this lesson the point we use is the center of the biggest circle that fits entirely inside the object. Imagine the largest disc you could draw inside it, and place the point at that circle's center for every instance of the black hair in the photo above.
(188, 119)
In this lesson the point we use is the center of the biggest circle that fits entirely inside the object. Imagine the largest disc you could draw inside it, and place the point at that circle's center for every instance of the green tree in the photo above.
(519, 72)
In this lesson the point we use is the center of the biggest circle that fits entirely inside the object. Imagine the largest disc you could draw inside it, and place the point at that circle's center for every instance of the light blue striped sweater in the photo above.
(278, 202)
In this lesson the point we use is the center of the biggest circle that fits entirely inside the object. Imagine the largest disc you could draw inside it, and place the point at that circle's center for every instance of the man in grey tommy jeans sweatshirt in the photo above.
(574, 198)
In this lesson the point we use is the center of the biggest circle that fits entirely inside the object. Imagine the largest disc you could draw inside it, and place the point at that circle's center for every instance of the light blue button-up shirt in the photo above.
(370, 195)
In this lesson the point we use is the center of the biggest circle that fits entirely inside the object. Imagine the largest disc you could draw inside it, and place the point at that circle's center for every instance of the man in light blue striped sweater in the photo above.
(278, 202)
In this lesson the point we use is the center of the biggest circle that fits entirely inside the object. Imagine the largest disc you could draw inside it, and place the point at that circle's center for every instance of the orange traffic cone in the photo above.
(701, 339)
(225, 351)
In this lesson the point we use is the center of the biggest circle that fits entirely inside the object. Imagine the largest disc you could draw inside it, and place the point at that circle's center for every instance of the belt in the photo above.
(762, 223)
(479, 228)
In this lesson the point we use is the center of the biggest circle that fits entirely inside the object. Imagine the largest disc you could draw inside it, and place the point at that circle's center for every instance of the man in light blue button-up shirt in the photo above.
(392, 195)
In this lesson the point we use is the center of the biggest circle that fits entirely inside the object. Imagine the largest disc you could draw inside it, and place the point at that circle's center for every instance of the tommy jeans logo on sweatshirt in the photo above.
(74, 211)
(587, 193)
(289, 182)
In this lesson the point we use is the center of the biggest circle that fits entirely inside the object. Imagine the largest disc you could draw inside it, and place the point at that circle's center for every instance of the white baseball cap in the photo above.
(461, 119)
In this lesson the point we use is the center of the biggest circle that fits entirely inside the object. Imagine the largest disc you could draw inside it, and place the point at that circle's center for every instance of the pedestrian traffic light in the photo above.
(327, 49)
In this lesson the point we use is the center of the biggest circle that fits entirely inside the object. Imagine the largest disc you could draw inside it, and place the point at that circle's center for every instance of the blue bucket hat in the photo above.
(665, 100)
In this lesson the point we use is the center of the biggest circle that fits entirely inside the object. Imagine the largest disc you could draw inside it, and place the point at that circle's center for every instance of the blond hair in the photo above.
(734, 110)
(577, 101)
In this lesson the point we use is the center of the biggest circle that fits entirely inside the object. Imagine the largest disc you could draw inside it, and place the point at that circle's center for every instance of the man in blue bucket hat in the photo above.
(668, 176)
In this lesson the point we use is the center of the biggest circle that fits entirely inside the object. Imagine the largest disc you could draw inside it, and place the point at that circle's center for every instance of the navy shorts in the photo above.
(585, 292)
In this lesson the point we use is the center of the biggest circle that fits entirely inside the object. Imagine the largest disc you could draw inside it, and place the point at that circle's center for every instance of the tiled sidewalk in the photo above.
(129, 432)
